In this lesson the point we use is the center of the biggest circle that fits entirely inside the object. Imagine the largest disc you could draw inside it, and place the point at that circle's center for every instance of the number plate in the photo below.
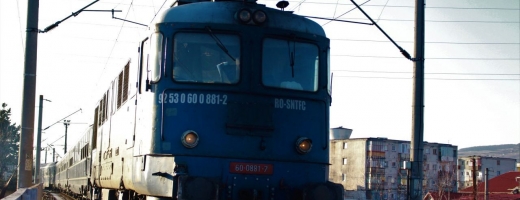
(250, 168)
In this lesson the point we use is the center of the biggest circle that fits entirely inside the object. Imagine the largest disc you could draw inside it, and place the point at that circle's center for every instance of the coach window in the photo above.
(290, 65)
(153, 56)
(206, 58)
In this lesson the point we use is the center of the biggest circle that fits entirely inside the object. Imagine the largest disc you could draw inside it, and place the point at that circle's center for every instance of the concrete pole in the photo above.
(38, 142)
(25, 154)
(486, 195)
(46, 155)
(53, 155)
(416, 152)
(66, 123)
(474, 176)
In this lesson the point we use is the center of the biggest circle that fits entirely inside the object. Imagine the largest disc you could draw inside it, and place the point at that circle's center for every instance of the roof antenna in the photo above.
(282, 5)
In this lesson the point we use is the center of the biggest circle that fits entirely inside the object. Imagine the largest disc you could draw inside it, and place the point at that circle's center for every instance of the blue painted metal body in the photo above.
(259, 90)
(246, 122)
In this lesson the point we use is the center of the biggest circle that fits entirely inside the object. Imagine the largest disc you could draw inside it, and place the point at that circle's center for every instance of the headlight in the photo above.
(244, 15)
(190, 139)
(303, 145)
(259, 17)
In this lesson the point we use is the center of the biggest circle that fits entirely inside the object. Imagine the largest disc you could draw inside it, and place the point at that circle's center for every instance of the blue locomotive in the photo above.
(224, 100)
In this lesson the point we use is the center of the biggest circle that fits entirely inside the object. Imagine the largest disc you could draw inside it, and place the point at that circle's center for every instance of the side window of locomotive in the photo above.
(290, 65)
(206, 58)
(152, 57)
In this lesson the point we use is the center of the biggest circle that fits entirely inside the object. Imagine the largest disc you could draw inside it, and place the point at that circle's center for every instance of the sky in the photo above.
(472, 64)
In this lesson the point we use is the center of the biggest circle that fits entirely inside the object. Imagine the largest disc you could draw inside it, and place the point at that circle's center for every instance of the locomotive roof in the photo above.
(224, 13)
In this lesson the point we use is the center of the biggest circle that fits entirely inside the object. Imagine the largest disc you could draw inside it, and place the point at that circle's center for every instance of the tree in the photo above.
(9, 141)
(446, 179)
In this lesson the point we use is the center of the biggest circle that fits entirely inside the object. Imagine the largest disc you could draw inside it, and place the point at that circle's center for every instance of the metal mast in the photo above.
(25, 155)
(416, 152)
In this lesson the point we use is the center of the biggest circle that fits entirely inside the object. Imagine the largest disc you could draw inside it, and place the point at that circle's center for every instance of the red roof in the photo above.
(504, 183)
(469, 196)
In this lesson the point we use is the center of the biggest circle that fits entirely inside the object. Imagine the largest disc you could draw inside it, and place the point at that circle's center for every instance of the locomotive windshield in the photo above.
(199, 57)
(290, 65)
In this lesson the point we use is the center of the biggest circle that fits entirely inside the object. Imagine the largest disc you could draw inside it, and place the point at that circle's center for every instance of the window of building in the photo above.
(434, 167)
(393, 164)
(345, 145)
(344, 161)
(427, 150)
(434, 151)
(393, 147)
(343, 177)
(498, 173)
(498, 162)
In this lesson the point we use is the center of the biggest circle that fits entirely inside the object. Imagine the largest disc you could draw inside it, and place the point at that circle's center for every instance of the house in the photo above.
(506, 183)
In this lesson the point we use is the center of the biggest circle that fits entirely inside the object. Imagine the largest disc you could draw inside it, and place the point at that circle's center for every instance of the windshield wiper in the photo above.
(291, 55)
(219, 43)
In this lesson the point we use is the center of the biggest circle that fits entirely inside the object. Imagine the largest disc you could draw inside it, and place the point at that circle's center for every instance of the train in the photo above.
(222, 100)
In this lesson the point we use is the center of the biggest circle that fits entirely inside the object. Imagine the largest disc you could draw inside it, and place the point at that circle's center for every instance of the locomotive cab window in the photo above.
(152, 57)
(206, 58)
(290, 65)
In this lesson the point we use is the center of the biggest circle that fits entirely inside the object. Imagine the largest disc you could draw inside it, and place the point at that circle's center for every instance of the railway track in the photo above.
(48, 195)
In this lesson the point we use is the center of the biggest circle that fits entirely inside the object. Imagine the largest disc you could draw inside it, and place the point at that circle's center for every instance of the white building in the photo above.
(374, 165)
(495, 165)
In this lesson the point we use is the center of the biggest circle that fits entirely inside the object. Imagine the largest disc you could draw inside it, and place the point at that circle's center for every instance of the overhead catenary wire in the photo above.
(440, 73)
(336, 18)
(20, 24)
(428, 58)
(411, 7)
(113, 46)
(445, 79)
(379, 17)
(431, 42)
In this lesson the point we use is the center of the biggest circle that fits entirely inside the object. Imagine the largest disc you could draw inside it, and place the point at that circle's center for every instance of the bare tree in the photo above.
(446, 181)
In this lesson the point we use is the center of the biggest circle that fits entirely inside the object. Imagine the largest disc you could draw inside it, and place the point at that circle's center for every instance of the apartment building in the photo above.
(495, 165)
(375, 165)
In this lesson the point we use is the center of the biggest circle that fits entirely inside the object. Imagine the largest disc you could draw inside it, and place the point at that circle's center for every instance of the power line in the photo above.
(398, 6)
(433, 42)
(113, 46)
(409, 78)
(382, 11)
(367, 56)
(20, 25)
(438, 73)
(344, 13)
(299, 4)
(157, 11)
(442, 21)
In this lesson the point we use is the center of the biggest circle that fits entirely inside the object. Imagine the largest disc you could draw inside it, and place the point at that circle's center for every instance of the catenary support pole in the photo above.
(25, 154)
(486, 194)
(416, 152)
(66, 123)
(38, 142)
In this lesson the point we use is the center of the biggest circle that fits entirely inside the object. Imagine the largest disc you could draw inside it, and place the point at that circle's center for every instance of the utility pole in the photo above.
(25, 154)
(67, 124)
(39, 142)
(474, 176)
(486, 174)
(416, 153)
